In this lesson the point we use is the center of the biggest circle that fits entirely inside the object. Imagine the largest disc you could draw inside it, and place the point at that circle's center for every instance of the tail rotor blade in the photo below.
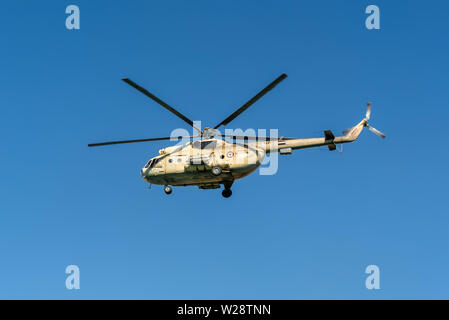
(368, 111)
(374, 130)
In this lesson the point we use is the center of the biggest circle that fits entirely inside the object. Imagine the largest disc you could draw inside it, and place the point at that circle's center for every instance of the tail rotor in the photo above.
(365, 123)
(372, 129)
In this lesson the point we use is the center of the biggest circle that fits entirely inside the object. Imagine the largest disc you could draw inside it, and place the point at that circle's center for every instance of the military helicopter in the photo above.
(211, 161)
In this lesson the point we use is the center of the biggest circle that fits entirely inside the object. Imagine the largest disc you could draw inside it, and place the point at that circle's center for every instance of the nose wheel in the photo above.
(168, 189)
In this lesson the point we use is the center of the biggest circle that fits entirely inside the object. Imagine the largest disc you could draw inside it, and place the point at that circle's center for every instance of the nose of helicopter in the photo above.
(144, 174)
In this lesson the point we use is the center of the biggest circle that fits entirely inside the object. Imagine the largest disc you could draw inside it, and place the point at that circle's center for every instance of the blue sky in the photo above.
(307, 232)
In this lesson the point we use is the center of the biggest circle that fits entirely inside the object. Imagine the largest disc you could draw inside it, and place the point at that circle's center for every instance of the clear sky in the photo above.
(307, 232)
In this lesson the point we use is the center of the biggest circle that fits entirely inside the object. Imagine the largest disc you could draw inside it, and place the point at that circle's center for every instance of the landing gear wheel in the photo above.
(216, 171)
(226, 193)
(168, 189)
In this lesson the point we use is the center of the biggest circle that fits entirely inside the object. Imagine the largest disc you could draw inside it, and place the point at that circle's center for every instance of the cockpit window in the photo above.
(152, 163)
(204, 144)
(149, 163)
(156, 161)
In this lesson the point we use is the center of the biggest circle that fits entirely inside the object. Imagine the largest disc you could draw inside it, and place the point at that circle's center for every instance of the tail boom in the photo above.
(285, 146)
(296, 144)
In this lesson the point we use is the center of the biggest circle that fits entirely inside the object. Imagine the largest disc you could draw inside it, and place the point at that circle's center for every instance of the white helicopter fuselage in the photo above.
(191, 163)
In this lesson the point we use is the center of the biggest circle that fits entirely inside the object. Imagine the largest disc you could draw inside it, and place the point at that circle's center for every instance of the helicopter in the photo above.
(212, 160)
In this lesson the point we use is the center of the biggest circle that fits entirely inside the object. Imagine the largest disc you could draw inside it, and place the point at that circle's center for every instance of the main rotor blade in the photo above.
(162, 103)
(251, 101)
(138, 140)
(252, 138)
